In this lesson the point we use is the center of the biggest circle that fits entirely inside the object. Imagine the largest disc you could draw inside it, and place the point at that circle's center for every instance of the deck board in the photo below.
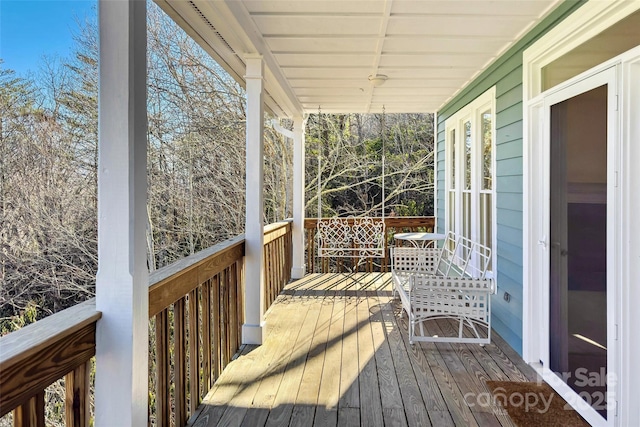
(337, 354)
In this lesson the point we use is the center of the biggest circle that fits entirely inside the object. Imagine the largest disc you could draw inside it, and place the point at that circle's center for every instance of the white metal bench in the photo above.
(447, 282)
(351, 237)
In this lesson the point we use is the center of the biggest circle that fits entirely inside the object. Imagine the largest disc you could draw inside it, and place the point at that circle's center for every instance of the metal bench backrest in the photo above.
(414, 260)
(460, 257)
(351, 237)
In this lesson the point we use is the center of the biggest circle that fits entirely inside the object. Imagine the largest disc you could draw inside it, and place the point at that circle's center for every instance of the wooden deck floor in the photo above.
(337, 354)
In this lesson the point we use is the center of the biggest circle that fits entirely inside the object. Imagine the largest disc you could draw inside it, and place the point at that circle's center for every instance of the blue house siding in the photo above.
(506, 75)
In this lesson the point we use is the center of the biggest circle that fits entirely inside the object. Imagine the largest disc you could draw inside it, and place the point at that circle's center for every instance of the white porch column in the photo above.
(252, 330)
(121, 394)
(298, 270)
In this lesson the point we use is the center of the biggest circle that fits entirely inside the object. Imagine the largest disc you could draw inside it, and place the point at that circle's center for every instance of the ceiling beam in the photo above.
(382, 33)
(241, 14)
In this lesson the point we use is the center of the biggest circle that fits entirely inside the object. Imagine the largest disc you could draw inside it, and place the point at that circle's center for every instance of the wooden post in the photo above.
(252, 329)
(121, 394)
(299, 269)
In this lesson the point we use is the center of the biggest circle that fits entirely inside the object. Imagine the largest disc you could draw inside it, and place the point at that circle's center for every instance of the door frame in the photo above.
(624, 249)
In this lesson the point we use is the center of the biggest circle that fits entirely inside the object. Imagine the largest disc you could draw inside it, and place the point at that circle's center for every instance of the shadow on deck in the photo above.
(337, 354)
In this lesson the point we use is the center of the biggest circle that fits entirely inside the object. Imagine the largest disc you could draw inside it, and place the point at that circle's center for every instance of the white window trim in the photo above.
(588, 21)
(471, 112)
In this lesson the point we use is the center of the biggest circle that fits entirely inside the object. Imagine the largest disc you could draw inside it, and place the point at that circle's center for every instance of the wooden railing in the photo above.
(196, 309)
(278, 259)
(200, 299)
(393, 225)
(195, 301)
(34, 357)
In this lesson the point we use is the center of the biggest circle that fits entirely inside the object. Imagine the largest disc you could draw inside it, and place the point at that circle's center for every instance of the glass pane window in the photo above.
(466, 214)
(486, 232)
(453, 158)
(467, 155)
(487, 146)
(451, 218)
(470, 204)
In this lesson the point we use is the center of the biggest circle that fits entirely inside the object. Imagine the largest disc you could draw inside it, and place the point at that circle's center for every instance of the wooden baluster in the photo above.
(311, 251)
(277, 268)
(355, 261)
(240, 298)
(180, 372)
(215, 304)
(307, 244)
(224, 314)
(281, 265)
(277, 273)
(163, 396)
(385, 260)
(76, 399)
(194, 352)
(266, 276)
(283, 258)
(31, 414)
(280, 268)
(312, 247)
(273, 272)
(289, 253)
(207, 379)
(233, 311)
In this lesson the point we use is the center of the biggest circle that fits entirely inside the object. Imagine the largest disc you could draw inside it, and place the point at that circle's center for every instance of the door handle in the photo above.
(556, 245)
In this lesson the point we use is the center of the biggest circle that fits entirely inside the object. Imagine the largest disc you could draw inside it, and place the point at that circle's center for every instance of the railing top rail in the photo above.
(168, 284)
(277, 225)
(21, 344)
(37, 355)
(275, 230)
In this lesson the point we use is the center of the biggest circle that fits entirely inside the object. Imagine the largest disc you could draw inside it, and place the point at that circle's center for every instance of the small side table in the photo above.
(420, 240)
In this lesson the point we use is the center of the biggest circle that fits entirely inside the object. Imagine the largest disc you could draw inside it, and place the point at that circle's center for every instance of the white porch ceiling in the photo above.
(320, 53)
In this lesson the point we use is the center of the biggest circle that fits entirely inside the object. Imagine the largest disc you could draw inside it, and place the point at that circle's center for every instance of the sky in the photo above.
(30, 29)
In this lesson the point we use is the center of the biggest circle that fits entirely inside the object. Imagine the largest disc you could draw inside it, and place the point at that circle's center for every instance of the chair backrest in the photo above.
(413, 260)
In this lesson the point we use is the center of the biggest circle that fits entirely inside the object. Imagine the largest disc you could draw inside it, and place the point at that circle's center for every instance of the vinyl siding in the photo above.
(506, 75)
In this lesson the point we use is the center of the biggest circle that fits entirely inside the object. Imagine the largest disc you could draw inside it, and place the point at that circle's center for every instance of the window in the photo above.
(618, 38)
(470, 175)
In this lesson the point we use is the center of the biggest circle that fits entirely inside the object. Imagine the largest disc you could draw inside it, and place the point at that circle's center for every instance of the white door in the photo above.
(580, 154)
